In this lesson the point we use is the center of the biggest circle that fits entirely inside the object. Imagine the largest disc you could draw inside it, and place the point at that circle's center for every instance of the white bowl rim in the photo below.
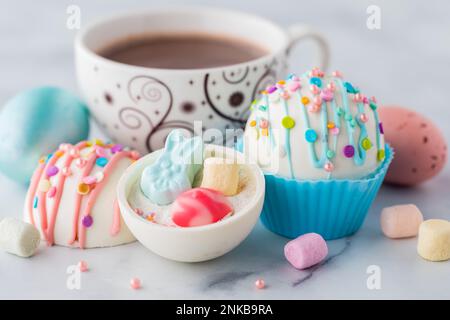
(131, 171)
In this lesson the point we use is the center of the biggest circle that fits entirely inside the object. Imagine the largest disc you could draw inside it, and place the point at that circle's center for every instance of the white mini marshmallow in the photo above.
(18, 237)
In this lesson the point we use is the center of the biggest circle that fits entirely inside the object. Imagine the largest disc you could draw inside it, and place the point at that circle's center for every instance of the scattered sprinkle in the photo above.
(89, 180)
(349, 151)
(381, 154)
(366, 144)
(263, 124)
(52, 171)
(328, 167)
(331, 154)
(311, 135)
(260, 284)
(316, 81)
(83, 189)
(305, 100)
(51, 192)
(87, 221)
(83, 266)
(101, 152)
(116, 148)
(101, 162)
(272, 89)
(265, 132)
(135, 283)
(59, 154)
(288, 122)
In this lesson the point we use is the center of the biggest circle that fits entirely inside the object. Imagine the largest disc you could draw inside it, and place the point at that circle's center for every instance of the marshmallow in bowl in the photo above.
(315, 127)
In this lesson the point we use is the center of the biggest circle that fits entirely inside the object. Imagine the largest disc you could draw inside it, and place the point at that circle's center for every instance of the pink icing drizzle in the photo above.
(95, 193)
(76, 213)
(42, 199)
(33, 187)
(115, 228)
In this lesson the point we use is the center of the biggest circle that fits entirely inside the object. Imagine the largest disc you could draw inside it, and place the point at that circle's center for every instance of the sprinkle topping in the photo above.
(288, 122)
(349, 151)
(316, 81)
(311, 135)
(87, 221)
(83, 189)
(44, 185)
(366, 144)
(101, 162)
(52, 171)
(305, 100)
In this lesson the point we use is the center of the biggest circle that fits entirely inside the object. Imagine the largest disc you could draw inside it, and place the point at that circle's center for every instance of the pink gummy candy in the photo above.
(200, 206)
(306, 251)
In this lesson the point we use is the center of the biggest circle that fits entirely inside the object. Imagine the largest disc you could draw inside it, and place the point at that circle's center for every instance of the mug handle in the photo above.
(298, 32)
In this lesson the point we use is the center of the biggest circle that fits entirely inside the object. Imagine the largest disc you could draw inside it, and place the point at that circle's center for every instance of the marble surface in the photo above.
(406, 62)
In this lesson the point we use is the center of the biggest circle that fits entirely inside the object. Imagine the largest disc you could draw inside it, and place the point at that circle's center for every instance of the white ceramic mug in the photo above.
(139, 106)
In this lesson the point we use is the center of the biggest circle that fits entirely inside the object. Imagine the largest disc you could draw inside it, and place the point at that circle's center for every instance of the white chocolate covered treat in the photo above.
(315, 127)
(72, 195)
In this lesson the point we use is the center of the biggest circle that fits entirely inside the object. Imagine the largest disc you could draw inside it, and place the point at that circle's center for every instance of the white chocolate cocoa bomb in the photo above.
(72, 196)
(162, 215)
(315, 127)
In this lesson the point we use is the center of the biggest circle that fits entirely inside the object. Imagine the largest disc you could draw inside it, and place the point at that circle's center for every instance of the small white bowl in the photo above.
(192, 244)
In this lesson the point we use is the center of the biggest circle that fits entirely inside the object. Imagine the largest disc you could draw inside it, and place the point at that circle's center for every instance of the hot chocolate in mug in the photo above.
(138, 106)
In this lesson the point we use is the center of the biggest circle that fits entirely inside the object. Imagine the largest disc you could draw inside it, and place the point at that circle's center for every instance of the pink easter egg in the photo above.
(200, 206)
(419, 146)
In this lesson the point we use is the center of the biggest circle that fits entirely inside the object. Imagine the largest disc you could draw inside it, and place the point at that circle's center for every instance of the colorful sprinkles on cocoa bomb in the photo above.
(50, 176)
(327, 98)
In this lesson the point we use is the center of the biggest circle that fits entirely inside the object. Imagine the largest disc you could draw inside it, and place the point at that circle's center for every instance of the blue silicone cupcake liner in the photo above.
(331, 208)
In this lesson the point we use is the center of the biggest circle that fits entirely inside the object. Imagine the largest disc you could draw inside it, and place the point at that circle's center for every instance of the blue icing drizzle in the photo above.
(272, 141)
(175, 169)
(359, 155)
(312, 150)
(288, 141)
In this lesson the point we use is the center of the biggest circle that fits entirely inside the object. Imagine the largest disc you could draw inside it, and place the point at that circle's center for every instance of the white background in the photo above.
(406, 63)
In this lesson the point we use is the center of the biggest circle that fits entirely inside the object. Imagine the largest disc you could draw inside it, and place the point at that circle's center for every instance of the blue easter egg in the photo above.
(34, 123)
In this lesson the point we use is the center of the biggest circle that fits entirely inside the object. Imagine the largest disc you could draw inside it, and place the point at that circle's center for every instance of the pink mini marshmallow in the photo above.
(401, 221)
(306, 251)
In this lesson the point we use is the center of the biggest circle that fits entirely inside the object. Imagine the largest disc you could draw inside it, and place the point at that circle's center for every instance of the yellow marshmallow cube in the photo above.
(221, 175)
(434, 240)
